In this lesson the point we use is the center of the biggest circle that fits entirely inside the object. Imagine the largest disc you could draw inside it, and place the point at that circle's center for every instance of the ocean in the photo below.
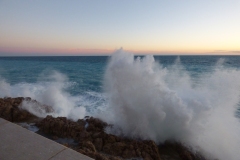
(192, 99)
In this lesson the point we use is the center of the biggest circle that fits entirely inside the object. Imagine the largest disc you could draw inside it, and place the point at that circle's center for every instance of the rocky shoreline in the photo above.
(88, 135)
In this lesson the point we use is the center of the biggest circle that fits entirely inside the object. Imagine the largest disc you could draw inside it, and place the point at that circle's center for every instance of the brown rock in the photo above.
(54, 137)
(98, 135)
(129, 153)
(185, 155)
(98, 143)
(95, 125)
(115, 149)
(84, 135)
(88, 145)
(138, 152)
(62, 127)
(115, 158)
(109, 139)
(108, 149)
(151, 149)
(177, 150)
(146, 156)
(9, 110)
(94, 155)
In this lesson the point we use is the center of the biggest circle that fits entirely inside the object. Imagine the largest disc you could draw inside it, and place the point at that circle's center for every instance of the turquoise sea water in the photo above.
(192, 99)
(86, 73)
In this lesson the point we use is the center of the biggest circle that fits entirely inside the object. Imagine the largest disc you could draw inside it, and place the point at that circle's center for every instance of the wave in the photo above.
(143, 99)
(52, 90)
(149, 101)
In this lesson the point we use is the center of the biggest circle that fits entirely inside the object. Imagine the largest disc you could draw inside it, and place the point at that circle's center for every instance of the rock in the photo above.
(94, 142)
(129, 153)
(95, 125)
(6, 111)
(94, 155)
(88, 145)
(108, 149)
(98, 135)
(186, 155)
(115, 158)
(98, 143)
(178, 151)
(54, 137)
(109, 139)
(115, 149)
(146, 156)
(151, 148)
(84, 135)
(9, 110)
(37, 107)
(62, 127)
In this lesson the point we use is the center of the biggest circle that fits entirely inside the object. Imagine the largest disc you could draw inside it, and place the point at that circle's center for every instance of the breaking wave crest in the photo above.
(143, 99)
(149, 101)
(52, 90)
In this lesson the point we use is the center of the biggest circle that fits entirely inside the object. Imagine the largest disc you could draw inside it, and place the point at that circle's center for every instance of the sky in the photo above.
(85, 27)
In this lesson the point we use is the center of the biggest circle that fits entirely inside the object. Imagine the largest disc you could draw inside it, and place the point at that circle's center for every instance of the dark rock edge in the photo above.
(90, 137)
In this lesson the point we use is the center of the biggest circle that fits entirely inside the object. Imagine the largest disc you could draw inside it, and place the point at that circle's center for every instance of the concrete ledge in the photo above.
(19, 143)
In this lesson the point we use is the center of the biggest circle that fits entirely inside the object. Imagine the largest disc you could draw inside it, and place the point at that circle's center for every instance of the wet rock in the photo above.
(90, 136)
(36, 107)
(88, 145)
(109, 139)
(94, 140)
(95, 125)
(115, 149)
(10, 110)
(146, 156)
(54, 137)
(94, 155)
(151, 149)
(129, 153)
(176, 150)
(62, 127)
(98, 135)
(98, 143)
(84, 135)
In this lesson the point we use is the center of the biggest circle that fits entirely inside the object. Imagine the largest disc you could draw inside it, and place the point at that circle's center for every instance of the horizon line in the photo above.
(107, 55)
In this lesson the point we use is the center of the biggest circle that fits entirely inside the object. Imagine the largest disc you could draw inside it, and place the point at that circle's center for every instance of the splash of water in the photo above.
(51, 91)
(4, 88)
(151, 102)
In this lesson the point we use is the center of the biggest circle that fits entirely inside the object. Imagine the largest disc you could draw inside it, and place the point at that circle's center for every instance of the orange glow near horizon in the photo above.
(100, 28)
(81, 51)
(54, 51)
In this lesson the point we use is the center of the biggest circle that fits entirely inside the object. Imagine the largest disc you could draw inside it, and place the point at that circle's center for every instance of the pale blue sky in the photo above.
(170, 26)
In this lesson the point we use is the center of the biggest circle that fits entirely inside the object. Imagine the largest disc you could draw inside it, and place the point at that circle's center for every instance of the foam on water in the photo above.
(32, 127)
(143, 99)
(151, 102)
(51, 90)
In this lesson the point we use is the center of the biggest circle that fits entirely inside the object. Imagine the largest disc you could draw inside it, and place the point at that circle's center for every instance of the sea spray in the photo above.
(149, 101)
(51, 91)
(4, 88)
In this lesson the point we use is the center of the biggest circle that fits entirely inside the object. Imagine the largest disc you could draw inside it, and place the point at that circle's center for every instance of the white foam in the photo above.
(51, 91)
(151, 102)
(4, 88)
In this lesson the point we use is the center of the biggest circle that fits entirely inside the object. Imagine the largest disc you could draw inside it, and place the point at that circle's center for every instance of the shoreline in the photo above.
(88, 136)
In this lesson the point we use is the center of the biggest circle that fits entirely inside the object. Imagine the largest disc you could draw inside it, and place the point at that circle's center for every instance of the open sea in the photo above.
(86, 73)
(192, 99)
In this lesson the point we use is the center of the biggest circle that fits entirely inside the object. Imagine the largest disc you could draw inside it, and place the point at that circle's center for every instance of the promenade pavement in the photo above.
(18, 143)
